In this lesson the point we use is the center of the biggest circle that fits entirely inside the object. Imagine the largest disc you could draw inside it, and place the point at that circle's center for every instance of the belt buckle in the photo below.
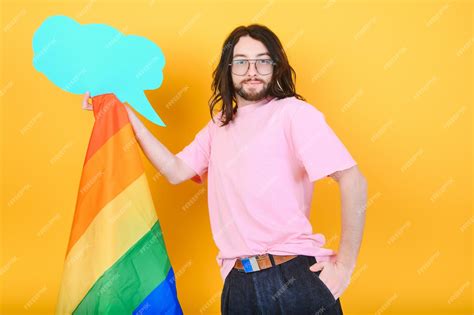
(250, 264)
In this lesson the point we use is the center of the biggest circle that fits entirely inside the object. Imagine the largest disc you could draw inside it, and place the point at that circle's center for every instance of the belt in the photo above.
(260, 262)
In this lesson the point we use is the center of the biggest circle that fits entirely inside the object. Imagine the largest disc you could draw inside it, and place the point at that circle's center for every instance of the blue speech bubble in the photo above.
(100, 59)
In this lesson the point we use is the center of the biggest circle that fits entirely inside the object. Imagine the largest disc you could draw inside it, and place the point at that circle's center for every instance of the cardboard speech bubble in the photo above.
(100, 59)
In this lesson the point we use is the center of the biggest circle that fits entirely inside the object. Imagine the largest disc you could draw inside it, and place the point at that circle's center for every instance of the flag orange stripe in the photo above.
(106, 108)
(120, 150)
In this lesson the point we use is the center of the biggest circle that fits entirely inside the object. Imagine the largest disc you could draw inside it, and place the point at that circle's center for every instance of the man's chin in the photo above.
(253, 96)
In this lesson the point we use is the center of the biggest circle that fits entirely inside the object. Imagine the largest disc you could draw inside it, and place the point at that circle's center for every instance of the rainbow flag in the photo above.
(116, 260)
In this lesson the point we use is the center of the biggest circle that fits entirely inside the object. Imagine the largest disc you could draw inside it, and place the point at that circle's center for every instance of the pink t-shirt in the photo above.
(260, 170)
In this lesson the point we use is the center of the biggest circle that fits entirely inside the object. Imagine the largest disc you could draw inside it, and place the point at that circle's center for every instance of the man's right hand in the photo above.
(85, 102)
(162, 159)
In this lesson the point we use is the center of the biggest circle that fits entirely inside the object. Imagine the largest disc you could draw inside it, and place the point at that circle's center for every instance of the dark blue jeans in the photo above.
(287, 288)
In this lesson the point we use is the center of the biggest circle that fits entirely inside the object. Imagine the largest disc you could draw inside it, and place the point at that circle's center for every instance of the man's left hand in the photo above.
(334, 275)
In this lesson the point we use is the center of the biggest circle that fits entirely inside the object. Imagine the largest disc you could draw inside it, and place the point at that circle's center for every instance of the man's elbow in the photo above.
(360, 179)
(173, 171)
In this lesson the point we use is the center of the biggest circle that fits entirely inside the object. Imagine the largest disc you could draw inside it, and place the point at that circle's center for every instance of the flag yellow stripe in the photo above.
(115, 229)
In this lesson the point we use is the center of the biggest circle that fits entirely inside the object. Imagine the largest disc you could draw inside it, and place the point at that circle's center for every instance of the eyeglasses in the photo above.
(241, 66)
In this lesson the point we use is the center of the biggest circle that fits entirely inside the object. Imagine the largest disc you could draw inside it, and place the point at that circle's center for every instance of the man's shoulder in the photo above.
(291, 105)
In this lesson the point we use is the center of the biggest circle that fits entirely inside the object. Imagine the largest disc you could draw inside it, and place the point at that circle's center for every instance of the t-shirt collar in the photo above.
(251, 107)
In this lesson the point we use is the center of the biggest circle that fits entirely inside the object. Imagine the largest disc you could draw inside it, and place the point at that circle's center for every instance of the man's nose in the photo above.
(252, 69)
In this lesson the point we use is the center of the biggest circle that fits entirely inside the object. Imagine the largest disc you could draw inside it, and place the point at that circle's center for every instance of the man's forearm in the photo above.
(161, 158)
(353, 189)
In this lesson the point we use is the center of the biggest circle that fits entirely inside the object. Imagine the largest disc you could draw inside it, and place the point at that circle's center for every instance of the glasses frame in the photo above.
(249, 61)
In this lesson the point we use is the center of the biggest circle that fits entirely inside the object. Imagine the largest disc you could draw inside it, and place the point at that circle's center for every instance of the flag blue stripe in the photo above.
(162, 300)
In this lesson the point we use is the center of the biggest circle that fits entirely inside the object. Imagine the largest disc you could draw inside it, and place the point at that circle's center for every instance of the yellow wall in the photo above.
(393, 78)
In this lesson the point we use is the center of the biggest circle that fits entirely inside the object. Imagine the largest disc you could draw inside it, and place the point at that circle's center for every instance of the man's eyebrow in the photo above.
(245, 56)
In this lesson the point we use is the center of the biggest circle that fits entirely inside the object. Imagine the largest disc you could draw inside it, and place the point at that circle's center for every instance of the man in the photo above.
(261, 157)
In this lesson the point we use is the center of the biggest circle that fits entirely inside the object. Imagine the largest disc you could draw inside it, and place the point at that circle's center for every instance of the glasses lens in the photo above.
(264, 66)
(240, 67)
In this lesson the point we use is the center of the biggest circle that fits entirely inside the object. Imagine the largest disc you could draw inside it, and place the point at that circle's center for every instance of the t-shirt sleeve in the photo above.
(316, 145)
(196, 154)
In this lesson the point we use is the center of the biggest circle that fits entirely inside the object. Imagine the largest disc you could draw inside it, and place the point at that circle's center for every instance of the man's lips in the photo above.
(253, 82)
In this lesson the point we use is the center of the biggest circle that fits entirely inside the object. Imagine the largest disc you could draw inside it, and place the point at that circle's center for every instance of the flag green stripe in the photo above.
(129, 281)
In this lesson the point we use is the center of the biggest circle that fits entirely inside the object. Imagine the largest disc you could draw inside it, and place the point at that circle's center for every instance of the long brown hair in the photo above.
(283, 79)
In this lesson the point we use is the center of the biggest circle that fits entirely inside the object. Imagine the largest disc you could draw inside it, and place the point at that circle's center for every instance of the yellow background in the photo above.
(394, 80)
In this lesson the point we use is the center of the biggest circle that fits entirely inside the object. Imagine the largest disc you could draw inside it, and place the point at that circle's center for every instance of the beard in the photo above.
(252, 94)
